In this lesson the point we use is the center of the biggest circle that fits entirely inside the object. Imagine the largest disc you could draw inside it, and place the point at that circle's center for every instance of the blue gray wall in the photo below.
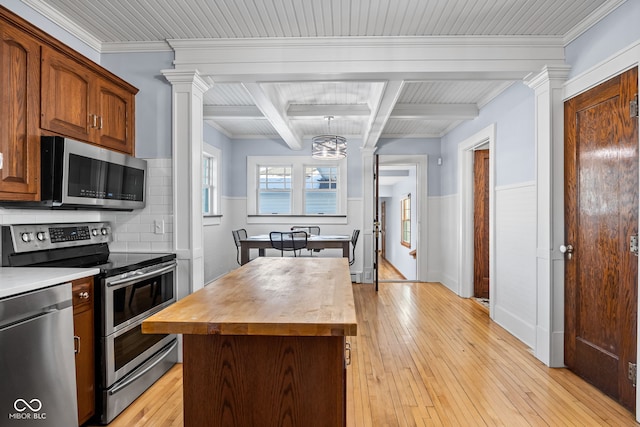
(153, 101)
(615, 32)
(513, 113)
(429, 146)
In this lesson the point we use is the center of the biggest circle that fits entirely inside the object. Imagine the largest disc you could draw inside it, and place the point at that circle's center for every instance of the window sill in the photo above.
(297, 219)
(208, 220)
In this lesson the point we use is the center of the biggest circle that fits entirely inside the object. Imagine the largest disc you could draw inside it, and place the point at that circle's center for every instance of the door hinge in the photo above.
(633, 244)
(632, 373)
(633, 107)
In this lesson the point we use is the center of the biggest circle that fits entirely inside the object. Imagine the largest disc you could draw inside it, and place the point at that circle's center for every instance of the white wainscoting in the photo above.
(443, 241)
(513, 290)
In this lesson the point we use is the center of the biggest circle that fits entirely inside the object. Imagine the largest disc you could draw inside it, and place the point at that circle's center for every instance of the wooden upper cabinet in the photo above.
(115, 111)
(66, 96)
(19, 111)
(81, 104)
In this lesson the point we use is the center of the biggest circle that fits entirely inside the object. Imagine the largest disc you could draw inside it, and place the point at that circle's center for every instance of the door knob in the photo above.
(568, 249)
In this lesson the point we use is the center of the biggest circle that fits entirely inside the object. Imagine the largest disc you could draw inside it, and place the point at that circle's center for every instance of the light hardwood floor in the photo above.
(425, 357)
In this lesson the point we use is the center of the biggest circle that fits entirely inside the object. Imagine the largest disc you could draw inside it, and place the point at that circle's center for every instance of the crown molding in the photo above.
(65, 23)
(591, 20)
(136, 47)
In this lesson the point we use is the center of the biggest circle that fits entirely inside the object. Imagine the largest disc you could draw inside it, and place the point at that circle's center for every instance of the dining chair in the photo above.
(290, 241)
(239, 234)
(354, 240)
(312, 230)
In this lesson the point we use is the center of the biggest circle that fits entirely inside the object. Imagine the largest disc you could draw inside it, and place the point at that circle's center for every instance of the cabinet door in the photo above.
(66, 96)
(115, 117)
(84, 336)
(19, 110)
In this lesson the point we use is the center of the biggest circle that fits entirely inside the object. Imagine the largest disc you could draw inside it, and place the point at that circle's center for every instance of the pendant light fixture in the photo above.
(329, 147)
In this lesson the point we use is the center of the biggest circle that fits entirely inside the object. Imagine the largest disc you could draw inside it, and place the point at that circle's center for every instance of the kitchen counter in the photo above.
(17, 280)
(273, 296)
(266, 343)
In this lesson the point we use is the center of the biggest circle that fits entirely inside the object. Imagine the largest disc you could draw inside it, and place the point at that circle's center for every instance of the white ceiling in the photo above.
(382, 68)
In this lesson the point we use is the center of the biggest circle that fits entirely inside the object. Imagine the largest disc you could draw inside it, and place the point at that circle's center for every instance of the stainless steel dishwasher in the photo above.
(37, 366)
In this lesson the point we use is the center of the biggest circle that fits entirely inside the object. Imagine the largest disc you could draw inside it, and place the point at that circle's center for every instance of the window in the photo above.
(321, 190)
(296, 186)
(274, 194)
(405, 218)
(210, 182)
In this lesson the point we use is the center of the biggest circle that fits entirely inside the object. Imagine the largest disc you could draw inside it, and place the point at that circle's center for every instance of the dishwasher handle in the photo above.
(20, 308)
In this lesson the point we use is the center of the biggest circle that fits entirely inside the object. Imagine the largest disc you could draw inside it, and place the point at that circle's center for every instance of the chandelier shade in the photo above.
(329, 147)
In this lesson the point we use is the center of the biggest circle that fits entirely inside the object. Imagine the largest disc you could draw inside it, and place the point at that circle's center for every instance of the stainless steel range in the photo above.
(129, 288)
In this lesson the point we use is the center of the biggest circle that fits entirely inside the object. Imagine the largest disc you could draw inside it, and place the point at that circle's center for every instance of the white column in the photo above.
(368, 206)
(188, 89)
(549, 136)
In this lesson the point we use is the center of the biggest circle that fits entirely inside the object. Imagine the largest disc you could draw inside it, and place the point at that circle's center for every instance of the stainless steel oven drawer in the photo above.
(117, 397)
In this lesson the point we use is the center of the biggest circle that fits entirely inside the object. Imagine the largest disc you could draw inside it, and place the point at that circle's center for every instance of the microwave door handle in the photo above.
(142, 276)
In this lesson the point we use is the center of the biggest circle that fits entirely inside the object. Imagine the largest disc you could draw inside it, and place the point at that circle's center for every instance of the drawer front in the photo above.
(82, 291)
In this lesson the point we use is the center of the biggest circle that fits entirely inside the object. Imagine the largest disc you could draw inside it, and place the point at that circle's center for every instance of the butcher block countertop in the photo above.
(288, 296)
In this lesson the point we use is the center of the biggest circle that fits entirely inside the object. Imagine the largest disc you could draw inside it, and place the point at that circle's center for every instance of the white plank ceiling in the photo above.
(363, 108)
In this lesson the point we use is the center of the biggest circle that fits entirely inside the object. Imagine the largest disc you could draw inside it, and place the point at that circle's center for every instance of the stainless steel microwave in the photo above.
(77, 175)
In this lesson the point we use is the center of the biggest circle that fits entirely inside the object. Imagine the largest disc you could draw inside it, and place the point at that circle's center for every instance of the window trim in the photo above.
(405, 208)
(298, 164)
(210, 151)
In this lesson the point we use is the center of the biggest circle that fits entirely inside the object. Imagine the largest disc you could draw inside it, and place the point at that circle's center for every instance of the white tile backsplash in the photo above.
(135, 231)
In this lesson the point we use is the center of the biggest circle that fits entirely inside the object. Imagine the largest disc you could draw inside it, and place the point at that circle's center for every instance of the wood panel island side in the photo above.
(265, 344)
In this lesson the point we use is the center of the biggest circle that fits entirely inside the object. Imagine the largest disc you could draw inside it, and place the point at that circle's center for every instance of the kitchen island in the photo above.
(265, 344)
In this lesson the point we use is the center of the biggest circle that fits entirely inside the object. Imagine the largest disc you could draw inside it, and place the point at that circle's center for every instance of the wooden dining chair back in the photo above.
(354, 240)
(289, 241)
(238, 235)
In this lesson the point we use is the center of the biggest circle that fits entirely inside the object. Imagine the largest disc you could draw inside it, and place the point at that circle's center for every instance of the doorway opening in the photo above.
(402, 202)
(485, 139)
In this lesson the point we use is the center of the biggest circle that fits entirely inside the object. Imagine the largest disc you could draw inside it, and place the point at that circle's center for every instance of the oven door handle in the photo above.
(136, 375)
(142, 276)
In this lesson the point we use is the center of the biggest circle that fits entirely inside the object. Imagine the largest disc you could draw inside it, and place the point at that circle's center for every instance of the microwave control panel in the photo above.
(37, 237)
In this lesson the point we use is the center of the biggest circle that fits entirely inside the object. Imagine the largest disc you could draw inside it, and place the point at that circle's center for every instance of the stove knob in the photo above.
(26, 237)
(41, 236)
(94, 232)
(104, 231)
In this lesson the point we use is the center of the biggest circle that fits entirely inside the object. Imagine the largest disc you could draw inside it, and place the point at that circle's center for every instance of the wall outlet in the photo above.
(158, 226)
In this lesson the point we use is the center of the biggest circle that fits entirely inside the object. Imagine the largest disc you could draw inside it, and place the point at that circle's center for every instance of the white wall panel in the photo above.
(513, 290)
(447, 245)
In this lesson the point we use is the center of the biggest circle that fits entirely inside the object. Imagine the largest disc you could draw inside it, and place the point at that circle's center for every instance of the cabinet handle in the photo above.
(100, 126)
(94, 120)
(76, 344)
(83, 295)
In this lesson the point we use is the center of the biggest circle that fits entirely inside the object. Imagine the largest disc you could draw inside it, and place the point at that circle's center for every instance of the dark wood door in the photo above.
(481, 224)
(601, 216)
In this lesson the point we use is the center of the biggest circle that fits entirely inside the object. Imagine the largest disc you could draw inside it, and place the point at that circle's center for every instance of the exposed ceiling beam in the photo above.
(213, 112)
(306, 112)
(275, 114)
(435, 111)
(388, 97)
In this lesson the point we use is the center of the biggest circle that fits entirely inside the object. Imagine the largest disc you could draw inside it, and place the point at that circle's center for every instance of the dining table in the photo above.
(320, 241)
